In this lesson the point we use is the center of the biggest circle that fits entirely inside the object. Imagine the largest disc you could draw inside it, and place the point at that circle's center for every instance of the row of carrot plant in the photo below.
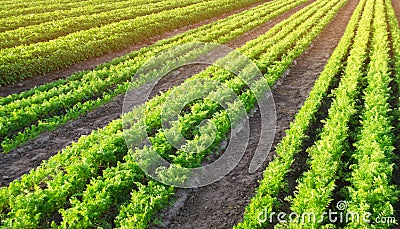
(362, 60)
(266, 199)
(25, 115)
(61, 183)
(42, 32)
(371, 192)
(23, 61)
(18, 9)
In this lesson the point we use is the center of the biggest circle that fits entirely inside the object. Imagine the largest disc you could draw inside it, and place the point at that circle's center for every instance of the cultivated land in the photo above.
(333, 67)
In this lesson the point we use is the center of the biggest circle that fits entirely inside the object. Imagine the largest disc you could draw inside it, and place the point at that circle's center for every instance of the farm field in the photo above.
(311, 85)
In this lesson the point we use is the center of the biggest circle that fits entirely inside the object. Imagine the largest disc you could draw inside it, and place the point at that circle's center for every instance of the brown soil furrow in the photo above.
(20, 161)
(396, 7)
(23, 159)
(92, 63)
(221, 204)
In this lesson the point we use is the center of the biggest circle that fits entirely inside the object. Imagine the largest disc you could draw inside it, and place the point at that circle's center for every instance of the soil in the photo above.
(21, 160)
(29, 83)
(221, 204)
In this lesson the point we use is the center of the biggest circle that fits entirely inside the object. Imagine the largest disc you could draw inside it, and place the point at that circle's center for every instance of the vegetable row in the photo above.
(362, 61)
(316, 186)
(266, 200)
(27, 114)
(83, 209)
(24, 8)
(23, 61)
(74, 166)
(371, 192)
(41, 28)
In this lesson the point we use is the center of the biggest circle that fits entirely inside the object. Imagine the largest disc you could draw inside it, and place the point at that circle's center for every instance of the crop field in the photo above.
(200, 114)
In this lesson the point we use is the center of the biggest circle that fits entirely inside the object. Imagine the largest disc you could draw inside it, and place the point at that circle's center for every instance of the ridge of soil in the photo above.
(91, 63)
(222, 204)
(21, 160)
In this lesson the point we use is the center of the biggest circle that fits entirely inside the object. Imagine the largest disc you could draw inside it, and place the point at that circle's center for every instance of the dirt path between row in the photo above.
(396, 7)
(221, 205)
(29, 83)
(20, 161)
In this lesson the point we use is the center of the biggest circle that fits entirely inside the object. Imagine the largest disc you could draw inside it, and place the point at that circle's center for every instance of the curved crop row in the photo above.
(81, 210)
(23, 10)
(370, 192)
(315, 188)
(145, 201)
(137, 217)
(122, 61)
(395, 40)
(300, 40)
(264, 202)
(73, 96)
(27, 61)
(58, 28)
(116, 182)
(42, 172)
(84, 208)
